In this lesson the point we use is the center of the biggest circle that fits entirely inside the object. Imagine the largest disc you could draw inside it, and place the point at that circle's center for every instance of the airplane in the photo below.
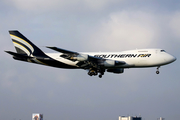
(95, 62)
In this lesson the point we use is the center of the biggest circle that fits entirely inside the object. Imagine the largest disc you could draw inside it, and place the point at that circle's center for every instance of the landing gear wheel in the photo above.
(92, 72)
(157, 72)
(100, 76)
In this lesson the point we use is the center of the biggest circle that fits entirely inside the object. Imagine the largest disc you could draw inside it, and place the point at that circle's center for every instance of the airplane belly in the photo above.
(141, 63)
(149, 62)
(138, 62)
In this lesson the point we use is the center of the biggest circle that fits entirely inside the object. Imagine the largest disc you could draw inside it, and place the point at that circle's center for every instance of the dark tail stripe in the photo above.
(22, 45)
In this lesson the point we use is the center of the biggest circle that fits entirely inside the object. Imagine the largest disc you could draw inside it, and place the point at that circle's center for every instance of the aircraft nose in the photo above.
(174, 59)
(171, 59)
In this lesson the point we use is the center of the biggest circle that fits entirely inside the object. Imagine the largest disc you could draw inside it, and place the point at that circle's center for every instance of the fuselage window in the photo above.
(163, 51)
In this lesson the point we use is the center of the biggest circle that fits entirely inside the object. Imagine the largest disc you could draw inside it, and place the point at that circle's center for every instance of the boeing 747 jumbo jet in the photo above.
(114, 62)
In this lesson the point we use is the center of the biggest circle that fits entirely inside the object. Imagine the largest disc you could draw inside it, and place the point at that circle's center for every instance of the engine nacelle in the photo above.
(117, 70)
(108, 63)
(81, 57)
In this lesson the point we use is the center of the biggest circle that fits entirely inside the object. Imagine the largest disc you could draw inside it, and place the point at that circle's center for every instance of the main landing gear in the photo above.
(101, 74)
(94, 72)
(157, 72)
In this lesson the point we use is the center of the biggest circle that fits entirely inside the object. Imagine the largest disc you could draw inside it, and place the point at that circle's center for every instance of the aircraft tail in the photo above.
(24, 46)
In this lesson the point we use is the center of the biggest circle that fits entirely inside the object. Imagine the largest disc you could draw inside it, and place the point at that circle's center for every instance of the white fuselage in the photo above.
(132, 58)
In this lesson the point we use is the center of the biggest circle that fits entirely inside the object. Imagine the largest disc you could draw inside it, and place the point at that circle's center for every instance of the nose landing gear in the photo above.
(157, 72)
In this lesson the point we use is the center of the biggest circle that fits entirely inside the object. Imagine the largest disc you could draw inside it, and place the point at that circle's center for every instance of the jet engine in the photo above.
(116, 70)
(110, 63)
(80, 57)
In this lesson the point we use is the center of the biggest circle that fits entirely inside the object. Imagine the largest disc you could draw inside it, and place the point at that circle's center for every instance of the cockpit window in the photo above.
(163, 51)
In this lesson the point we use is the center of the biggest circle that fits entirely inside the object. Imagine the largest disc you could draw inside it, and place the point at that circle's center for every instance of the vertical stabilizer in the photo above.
(23, 45)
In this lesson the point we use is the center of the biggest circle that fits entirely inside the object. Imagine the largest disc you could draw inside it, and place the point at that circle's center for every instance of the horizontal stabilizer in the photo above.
(18, 55)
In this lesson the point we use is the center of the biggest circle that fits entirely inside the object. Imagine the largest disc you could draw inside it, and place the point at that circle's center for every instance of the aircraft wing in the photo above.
(86, 61)
(71, 54)
(62, 50)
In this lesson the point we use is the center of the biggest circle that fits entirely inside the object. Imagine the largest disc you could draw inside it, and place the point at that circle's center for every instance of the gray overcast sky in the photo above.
(90, 25)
